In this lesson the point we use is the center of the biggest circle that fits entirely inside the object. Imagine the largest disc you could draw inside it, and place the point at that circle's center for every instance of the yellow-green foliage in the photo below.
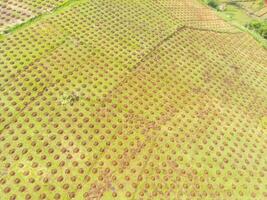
(131, 99)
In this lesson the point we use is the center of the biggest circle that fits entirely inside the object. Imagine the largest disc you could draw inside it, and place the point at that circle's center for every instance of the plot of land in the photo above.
(129, 99)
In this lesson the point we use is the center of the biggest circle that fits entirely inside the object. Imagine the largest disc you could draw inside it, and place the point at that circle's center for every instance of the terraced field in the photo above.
(129, 99)
(256, 8)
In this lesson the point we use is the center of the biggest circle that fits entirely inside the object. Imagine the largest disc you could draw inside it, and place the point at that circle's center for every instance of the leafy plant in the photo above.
(259, 27)
(212, 3)
(70, 98)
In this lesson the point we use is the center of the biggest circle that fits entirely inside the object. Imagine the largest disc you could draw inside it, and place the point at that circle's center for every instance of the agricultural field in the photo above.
(129, 99)
(249, 15)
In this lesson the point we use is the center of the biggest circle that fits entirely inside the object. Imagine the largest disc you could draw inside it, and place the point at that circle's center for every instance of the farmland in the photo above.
(129, 99)
(248, 15)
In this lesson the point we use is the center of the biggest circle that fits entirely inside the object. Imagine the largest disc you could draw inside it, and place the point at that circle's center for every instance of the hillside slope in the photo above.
(131, 99)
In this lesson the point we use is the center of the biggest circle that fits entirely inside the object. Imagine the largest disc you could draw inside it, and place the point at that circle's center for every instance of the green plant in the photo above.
(70, 98)
(259, 27)
(212, 3)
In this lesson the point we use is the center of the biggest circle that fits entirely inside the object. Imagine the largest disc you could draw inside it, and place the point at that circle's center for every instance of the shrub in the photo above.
(212, 3)
(259, 27)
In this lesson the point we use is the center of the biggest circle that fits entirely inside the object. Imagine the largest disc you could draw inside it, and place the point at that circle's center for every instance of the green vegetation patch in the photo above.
(212, 3)
(130, 99)
(243, 15)
(258, 26)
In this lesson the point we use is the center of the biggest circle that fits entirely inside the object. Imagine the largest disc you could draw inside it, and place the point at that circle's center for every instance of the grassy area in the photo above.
(242, 17)
(236, 14)
(131, 99)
